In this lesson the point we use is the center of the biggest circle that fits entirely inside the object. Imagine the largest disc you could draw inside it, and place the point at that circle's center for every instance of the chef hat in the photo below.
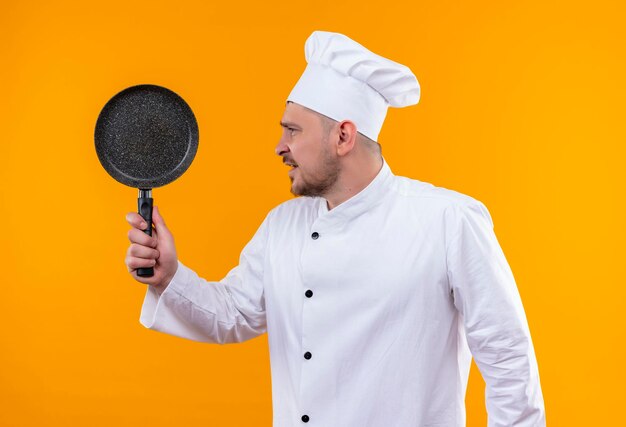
(345, 81)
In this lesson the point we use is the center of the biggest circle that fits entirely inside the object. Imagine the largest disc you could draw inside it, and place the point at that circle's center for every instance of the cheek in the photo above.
(300, 152)
(306, 152)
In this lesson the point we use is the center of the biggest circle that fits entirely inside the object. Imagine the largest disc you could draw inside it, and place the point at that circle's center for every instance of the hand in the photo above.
(157, 251)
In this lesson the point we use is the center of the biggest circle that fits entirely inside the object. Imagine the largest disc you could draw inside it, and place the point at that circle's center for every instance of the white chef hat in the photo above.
(345, 81)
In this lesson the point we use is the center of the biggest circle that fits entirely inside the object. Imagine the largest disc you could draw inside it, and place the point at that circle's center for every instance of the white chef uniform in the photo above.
(371, 310)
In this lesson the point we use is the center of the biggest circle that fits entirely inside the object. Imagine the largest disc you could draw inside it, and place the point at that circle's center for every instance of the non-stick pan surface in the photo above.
(146, 136)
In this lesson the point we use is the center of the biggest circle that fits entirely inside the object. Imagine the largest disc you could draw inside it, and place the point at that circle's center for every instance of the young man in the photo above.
(375, 289)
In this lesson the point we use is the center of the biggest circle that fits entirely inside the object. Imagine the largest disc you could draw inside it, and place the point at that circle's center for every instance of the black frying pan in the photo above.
(146, 136)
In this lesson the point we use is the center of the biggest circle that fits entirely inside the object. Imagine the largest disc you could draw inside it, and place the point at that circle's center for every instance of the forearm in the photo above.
(193, 308)
(509, 368)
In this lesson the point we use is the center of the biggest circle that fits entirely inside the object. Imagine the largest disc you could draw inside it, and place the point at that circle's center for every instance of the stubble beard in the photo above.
(330, 173)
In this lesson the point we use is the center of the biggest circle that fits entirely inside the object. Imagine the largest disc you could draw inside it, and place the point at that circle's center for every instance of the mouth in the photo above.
(292, 165)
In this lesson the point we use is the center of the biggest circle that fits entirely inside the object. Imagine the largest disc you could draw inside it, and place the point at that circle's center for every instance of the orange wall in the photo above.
(522, 108)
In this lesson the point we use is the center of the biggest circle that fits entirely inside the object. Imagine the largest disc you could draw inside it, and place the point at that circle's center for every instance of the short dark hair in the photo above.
(328, 124)
(370, 144)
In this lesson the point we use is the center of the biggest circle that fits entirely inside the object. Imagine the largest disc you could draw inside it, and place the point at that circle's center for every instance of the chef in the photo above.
(375, 290)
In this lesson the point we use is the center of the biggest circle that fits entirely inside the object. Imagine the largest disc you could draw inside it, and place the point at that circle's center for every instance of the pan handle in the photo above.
(144, 204)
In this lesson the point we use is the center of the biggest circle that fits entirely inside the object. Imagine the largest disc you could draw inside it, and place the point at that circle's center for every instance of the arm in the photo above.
(231, 310)
(486, 296)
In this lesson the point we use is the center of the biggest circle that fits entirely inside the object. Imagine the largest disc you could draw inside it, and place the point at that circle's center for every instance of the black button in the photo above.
(315, 235)
(305, 418)
(307, 355)
(309, 293)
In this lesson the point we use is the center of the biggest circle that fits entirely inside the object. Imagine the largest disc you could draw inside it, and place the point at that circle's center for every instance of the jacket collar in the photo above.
(361, 202)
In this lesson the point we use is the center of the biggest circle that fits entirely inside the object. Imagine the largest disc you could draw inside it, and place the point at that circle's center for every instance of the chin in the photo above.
(296, 189)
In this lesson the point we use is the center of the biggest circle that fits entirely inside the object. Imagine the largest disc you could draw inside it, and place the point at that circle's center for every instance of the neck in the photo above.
(353, 178)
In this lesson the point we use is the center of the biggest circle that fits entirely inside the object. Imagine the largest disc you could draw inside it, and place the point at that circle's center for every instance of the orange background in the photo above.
(522, 108)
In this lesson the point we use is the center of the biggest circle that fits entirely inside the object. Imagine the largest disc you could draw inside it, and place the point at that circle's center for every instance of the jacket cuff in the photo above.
(152, 299)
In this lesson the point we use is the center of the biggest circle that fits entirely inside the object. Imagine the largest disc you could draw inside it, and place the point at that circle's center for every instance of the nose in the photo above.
(281, 147)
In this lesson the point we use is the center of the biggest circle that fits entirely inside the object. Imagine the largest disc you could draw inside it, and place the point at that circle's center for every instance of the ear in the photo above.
(347, 137)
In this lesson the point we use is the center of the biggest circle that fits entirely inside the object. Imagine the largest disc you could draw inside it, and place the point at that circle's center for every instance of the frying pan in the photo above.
(146, 136)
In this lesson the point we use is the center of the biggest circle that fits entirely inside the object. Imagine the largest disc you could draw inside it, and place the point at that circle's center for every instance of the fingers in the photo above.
(138, 256)
(159, 223)
(157, 251)
(156, 216)
(139, 251)
(136, 220)
(133, 263)
(137, 236)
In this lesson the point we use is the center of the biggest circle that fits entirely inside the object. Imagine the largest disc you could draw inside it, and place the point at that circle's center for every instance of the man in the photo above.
(373, 288)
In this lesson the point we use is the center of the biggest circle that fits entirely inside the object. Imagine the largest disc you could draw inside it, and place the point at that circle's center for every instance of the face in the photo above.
(306, 149)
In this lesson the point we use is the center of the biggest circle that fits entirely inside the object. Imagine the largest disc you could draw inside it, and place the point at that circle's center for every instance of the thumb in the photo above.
(159, 223)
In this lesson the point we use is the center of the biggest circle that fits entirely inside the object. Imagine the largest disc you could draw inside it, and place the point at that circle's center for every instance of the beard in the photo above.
(322, 180)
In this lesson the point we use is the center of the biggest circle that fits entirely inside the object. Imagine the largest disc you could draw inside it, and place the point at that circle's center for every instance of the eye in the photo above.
(291, 131)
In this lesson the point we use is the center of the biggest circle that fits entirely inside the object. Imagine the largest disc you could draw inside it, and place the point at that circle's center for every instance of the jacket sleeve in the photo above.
(486, 295)
(228, 311)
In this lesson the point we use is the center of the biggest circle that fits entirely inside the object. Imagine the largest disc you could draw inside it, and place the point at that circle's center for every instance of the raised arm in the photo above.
(228, 311)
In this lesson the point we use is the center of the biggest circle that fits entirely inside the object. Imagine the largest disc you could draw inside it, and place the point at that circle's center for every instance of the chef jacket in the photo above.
(373, 310)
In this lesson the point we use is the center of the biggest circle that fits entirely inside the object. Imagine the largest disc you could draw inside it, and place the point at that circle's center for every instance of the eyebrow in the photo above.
(289, 124)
